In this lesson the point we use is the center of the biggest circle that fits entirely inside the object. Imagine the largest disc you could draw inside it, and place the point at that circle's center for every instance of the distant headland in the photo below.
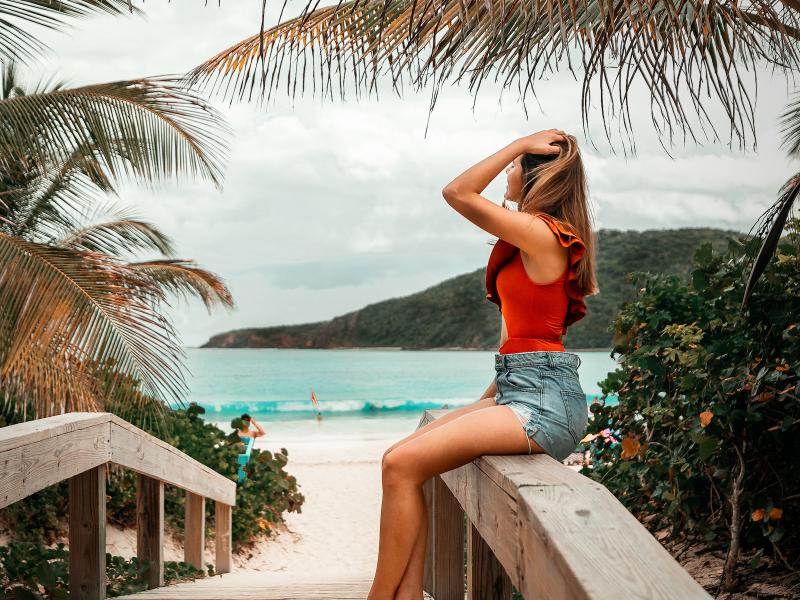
(454, 314)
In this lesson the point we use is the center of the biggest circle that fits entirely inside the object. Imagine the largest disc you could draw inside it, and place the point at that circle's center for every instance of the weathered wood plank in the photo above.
(141, 452)
(581, 545)
(448, 544)
(231, 587)
(22, 434)
(150, 529)
(45, 460)
(39, 453)
(87, 534)
(486, 578)
(194, 539)
(222, 526)
(490, 510)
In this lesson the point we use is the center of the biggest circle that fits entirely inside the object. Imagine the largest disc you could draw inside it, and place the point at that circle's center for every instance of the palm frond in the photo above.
(19, 17)
(118, 237)
(40, 204)
(684, 54)
(51, 383)
(183, 278)
(151, 129)
(86, 311)
(769, 229)
(790, 127)
(12, 84)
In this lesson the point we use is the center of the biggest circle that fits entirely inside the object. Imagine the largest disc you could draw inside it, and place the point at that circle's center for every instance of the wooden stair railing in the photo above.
(544, 528)
(78, 446)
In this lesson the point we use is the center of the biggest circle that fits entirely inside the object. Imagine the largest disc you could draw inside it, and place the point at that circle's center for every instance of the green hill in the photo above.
(455, 313)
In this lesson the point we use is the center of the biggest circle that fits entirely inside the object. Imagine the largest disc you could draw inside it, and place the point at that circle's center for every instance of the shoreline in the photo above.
(380, 348)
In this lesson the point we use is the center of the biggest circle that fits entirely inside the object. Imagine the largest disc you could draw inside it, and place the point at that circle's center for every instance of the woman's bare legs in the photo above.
(410, 587)
(489, 430)
(453, 414)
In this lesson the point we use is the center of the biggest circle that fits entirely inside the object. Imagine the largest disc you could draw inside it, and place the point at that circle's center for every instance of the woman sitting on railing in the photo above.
(538, 273)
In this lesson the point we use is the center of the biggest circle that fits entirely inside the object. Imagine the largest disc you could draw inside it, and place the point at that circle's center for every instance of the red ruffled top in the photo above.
(536, 315)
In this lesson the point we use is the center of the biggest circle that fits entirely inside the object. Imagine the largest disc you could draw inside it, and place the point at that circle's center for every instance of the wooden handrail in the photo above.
(544, 528)
(78, 446)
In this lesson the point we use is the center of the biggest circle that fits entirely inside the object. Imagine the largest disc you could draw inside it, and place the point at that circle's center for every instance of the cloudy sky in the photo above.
(330, 205)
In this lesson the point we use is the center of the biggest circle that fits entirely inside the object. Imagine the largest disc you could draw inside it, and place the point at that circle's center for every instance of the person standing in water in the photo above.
(538, 273)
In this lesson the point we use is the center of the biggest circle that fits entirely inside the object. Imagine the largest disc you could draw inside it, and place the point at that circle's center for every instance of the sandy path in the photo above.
(336, 535)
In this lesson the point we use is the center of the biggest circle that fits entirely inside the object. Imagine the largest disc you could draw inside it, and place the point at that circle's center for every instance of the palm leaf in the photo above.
(117, 237)
(683, 53)
(39, 205)
(89, 315)
(790, 127)
(183, 278)
(151, 129)
(769, 228)
(18, 17)
(13, 85)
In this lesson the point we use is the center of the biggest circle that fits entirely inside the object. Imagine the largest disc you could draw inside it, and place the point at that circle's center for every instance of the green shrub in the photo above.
(708, 406)
(30, 571)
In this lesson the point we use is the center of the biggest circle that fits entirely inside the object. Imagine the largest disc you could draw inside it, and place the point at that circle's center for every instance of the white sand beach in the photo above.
(336, 535)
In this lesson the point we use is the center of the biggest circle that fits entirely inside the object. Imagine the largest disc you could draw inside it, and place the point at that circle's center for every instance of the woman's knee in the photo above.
(389, 450)
(397, 467)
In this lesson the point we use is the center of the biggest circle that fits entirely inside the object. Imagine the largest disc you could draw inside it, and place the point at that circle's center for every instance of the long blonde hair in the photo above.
(557, 186)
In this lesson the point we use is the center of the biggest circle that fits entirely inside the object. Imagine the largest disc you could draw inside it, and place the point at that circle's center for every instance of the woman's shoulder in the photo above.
(564, 232)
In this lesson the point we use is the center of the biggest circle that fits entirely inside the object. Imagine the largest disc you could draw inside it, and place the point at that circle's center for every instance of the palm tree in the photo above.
(80, 321)
(686, 55)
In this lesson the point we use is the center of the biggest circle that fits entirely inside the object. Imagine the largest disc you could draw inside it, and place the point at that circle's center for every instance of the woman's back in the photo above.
(536, 314)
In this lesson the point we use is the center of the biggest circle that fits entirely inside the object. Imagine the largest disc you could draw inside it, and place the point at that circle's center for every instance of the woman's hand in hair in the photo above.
(543, 142)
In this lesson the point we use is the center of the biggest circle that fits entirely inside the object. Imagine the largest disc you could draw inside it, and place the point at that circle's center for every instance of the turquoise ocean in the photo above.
(362, 394)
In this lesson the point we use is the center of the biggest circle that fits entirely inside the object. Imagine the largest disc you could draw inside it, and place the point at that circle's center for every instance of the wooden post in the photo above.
(150, 529)
(427, 578)
(223, 537)
(87, 534)
(194, 530)
(486, 578)
(448, 543)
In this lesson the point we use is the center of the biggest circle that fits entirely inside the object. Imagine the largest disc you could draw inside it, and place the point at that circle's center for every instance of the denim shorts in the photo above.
(543, 390)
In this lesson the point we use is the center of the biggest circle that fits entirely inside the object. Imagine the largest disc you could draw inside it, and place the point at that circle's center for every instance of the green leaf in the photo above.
(699, 280)
(704, 255)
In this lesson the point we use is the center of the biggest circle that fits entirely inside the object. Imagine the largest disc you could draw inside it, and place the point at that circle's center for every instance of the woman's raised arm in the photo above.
(520, 229)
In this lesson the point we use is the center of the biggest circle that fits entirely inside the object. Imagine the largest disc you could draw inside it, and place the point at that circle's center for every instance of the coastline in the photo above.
(379, 348)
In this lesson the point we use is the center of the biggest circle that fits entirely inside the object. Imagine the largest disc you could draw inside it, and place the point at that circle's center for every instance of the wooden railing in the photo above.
(544, 528)
(78, 446)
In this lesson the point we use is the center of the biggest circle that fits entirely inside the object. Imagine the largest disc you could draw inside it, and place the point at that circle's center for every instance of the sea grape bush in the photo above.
(708, 409)
(261, 500)
(32, 571)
